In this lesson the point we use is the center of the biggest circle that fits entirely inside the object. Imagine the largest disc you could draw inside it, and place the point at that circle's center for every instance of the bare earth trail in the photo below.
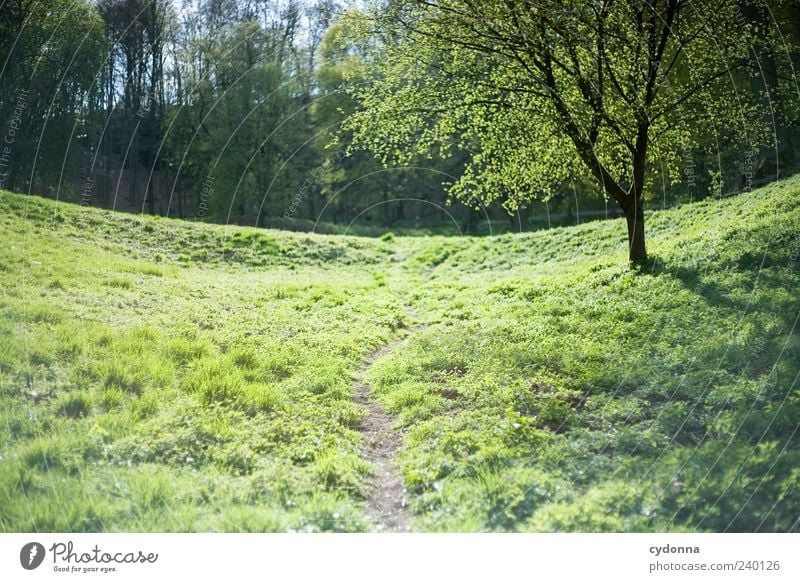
(387, 508)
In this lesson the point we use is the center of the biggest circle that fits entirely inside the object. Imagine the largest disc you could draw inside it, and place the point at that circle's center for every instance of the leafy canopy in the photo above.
(539, 91)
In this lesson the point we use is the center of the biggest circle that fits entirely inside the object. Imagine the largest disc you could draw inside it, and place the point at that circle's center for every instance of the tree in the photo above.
(540, 90)
(355, 186)
(137, 31)
(50, 53)
(241, 109)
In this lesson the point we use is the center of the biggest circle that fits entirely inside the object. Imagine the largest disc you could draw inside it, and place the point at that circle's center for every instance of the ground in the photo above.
(158, 375)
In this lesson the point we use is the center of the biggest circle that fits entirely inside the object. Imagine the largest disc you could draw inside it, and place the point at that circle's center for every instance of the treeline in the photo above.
(209, 109)
(232, 111)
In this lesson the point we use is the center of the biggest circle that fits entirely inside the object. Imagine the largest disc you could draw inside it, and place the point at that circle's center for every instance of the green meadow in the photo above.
(163, 375)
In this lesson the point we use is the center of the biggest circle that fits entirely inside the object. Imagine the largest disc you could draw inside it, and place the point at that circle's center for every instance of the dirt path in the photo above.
(387, 507)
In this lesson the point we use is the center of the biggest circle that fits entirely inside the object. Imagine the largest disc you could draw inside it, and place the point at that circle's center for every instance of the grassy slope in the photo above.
(164, 375)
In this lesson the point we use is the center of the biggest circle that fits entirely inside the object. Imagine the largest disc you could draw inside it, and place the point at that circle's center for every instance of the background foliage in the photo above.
(246, 112)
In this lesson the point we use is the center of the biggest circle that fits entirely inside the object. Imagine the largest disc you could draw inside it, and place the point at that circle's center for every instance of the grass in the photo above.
(158, 375)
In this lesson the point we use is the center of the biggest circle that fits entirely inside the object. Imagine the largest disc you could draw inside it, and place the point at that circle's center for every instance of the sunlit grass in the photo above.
(158, 375)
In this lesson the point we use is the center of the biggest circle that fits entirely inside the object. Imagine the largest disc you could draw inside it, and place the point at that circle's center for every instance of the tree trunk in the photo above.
(522, 220)
(149, 192)
(470, 224)
(634, 216)
(387, 215)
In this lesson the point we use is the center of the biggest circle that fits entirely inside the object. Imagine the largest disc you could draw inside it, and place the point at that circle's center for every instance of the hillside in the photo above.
(173, 376)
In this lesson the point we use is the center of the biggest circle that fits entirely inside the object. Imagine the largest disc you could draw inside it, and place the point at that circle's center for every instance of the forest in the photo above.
(242, 111)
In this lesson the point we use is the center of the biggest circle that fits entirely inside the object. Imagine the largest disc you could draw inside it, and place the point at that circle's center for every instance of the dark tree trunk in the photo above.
(387, 215)
(470, 224)
(400, 211)
(149, 192)
(634, 213)
(133, 173)
(634, 216)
